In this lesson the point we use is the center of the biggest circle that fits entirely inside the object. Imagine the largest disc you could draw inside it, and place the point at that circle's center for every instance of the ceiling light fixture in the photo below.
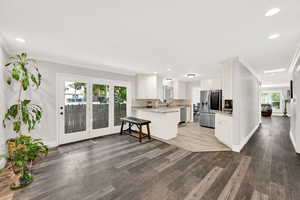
(169, 69)
(191, 75)
(275, 70)
(155, 72)
(274, 36)
(272, 12)
(20, 40)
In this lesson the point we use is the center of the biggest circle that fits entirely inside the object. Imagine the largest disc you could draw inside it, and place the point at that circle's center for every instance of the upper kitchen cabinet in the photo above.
(147, 86)
(211, 84)
(179, 90)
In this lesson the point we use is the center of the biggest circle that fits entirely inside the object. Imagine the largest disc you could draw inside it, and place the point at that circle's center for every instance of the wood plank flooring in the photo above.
(118, 167)
(195, 138)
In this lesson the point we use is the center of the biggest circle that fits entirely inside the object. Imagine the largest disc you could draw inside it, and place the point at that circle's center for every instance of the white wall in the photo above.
(295, 113)
(190, 86)
(46, 94)
(3, 136)
(211, 84)
(246, 113)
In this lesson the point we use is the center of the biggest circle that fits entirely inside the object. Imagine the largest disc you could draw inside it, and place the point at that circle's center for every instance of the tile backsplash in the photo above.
(157, 103)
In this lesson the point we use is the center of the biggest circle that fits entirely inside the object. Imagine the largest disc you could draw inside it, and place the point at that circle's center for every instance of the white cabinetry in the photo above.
(147, 86)
(163, 124)
(223, 128)
(179, 90)
(188, 114)
(151, 87)
(211, 84)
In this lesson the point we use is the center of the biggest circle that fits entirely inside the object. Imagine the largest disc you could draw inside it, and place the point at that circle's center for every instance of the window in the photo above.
(100, 106)
(120, 98)
(272, 98)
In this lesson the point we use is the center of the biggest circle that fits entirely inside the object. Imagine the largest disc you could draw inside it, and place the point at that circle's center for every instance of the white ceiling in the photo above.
(154, 35)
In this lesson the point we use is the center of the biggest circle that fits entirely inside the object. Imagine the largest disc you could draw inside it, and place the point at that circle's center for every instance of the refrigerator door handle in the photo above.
(209, 99)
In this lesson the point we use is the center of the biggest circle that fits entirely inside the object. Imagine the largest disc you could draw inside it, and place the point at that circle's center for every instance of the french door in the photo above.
(89, 107)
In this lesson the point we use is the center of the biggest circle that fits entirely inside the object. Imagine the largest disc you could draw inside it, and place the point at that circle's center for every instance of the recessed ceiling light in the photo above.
(275, 70)
(169, 69)
(191, 75)
(272, 12)
(274, 36)
(20, 40)
(155, 72)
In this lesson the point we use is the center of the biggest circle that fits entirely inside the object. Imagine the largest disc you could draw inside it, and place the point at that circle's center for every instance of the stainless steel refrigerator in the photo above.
(210, 102)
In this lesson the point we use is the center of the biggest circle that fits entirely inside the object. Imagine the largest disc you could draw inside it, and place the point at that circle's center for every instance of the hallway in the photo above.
(118, 167)
(275, 167)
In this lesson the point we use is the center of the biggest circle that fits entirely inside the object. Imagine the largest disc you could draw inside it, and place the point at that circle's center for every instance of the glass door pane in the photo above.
(120, 104)
(75, 107)
(100, 107)
(276, 101)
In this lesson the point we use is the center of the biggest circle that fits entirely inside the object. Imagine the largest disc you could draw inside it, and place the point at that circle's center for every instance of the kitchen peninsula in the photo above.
(164, 121)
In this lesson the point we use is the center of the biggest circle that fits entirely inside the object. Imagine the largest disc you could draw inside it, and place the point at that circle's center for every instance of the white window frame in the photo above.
(281, 99)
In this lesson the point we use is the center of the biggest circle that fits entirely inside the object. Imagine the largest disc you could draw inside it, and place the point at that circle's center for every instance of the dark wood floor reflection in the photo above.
(118, 167)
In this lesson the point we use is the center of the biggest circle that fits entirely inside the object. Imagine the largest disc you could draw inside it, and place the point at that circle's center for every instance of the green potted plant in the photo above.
(23, 150)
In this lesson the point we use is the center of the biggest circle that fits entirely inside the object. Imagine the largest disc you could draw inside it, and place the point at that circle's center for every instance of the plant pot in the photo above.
(21, 180)
(11, 144)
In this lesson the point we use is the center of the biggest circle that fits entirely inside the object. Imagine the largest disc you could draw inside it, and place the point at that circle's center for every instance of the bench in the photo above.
(137, 122)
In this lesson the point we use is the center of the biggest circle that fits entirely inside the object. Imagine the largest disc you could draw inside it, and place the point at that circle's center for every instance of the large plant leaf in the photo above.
(7, 64)
(25, 102)
(17, 126)
(25, 83)
(16, 73)
(8, 81)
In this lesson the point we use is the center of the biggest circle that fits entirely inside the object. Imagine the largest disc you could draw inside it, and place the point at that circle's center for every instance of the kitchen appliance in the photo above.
(210, 103)
(183, 112)
(227, 105)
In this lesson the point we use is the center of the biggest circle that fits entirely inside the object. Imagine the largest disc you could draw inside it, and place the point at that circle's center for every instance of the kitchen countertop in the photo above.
(159, 110)
(224, 113)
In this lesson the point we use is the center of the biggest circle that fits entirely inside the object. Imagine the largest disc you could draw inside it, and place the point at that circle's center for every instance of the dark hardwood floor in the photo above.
(118, 167)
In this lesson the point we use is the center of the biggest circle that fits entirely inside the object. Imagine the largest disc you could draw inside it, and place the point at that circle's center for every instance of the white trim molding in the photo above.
(293, 142)
(51, 144)
(294, 60)
(239, 147)
(245, 63)
(275, 86)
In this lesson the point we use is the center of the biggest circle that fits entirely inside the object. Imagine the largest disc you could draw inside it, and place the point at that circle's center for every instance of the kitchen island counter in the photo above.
(164, 121)
(159, 110)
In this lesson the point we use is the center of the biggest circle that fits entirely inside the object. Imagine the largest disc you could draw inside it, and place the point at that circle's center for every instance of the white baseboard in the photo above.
(293, 141)
(238, 148)
(51, 144)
